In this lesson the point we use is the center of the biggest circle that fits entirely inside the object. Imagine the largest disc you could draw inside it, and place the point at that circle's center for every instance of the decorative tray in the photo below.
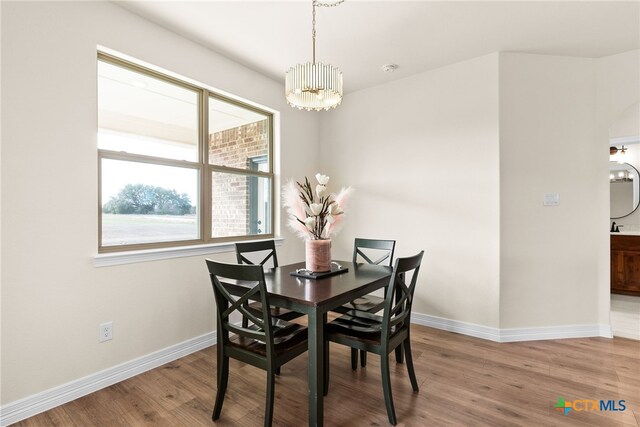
(335, 269)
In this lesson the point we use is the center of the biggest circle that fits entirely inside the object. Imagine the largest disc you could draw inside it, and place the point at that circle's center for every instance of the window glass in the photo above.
(141, 114)
(236, 135)
(145, 203)
(241, 205)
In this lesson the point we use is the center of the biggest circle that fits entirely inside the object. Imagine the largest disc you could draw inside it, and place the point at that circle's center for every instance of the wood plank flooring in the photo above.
(464, 381)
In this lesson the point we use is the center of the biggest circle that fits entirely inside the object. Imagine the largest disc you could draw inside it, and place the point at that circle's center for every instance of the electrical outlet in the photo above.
(106, 331)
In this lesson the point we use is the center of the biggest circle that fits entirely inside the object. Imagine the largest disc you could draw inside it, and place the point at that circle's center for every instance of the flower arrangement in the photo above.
(314, 214)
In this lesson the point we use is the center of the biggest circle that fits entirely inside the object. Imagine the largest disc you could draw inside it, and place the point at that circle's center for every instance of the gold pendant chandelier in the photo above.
(314, 85)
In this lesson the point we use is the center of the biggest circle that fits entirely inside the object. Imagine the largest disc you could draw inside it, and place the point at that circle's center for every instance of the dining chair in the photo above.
(381, 334)
(371, 251)
(266, 248)
(267, 343)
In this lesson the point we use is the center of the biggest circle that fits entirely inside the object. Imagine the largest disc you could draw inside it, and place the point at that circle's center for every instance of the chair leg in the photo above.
(386, 388)
(223, 379)
(326, 367)
(268, 410)
(245, 322)
(354, 359)
(278, 370)
(409, 361)
(363, 358)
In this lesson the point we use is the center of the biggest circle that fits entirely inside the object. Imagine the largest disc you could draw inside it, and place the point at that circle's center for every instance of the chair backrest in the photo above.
(383, 249)
(399, 295)
(266, 246)
(228, 303)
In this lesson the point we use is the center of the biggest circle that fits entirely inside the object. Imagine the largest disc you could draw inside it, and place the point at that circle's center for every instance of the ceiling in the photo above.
(360, 36)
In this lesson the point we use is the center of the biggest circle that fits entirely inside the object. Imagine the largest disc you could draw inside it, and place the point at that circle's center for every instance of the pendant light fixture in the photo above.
(314, 85)
(614, 150)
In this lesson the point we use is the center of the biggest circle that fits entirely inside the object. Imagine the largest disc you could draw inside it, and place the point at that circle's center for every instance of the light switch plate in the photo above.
(551, 199)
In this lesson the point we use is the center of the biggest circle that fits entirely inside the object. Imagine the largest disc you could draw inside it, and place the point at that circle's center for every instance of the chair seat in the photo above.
(360, 325)
(286, 335)
(370, 303)
(276, 312)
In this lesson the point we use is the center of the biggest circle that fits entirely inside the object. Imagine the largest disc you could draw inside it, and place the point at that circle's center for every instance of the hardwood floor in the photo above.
(463, 381)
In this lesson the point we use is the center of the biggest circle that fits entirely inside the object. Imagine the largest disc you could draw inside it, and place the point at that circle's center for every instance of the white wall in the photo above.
(555, 118)
(52, 297)
(549, 257)
(627, 125)
(422, 154)
(0, 207)
(617, 89)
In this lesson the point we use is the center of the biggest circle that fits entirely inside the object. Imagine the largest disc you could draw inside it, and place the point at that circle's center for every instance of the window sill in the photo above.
(131, 257)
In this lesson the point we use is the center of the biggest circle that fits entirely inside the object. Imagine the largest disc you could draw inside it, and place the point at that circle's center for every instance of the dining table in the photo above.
(315, 297)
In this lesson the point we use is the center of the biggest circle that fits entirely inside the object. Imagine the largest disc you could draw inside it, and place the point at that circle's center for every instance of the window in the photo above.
(178, 164)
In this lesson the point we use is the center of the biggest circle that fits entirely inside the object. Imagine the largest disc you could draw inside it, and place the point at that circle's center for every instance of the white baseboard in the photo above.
(512, 334)
(48, 399)
(471, 329)
(555, 332)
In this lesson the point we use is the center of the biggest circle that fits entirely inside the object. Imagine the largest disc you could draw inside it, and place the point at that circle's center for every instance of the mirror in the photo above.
(624, 189)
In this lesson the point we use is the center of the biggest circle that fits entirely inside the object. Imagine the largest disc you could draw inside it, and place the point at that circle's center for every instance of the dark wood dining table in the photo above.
(315, 298)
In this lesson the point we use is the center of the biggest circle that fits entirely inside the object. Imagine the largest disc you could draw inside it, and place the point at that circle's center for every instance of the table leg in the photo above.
(399, 351)
(316, 368)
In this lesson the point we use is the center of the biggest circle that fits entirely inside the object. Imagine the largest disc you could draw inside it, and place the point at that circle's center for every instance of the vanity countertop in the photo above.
(625, 233)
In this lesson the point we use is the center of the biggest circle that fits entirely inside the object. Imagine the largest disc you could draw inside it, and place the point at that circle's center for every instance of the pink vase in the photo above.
(318, 255)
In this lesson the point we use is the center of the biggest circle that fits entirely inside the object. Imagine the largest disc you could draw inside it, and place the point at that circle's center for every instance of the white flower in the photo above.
(322, 179)
(315, 208)
(320, 189)
(334, 209)
(310, 222)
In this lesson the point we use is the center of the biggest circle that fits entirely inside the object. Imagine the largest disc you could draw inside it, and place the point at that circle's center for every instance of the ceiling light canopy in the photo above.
(389, 68)
(314, 85)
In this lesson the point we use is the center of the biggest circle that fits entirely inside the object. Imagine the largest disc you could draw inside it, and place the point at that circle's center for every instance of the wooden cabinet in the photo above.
(625, 264)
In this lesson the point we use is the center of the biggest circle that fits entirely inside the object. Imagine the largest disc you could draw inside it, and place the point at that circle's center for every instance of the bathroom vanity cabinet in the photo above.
(625, 264)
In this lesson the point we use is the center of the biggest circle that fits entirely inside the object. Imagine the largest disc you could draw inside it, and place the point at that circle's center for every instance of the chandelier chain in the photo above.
(313, 30)
(339, 2)
(313, 21)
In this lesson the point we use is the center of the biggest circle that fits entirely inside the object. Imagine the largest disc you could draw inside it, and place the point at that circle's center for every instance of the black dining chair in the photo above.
(267, 344)
(266, 248)
(371, 251)
(381, 334)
